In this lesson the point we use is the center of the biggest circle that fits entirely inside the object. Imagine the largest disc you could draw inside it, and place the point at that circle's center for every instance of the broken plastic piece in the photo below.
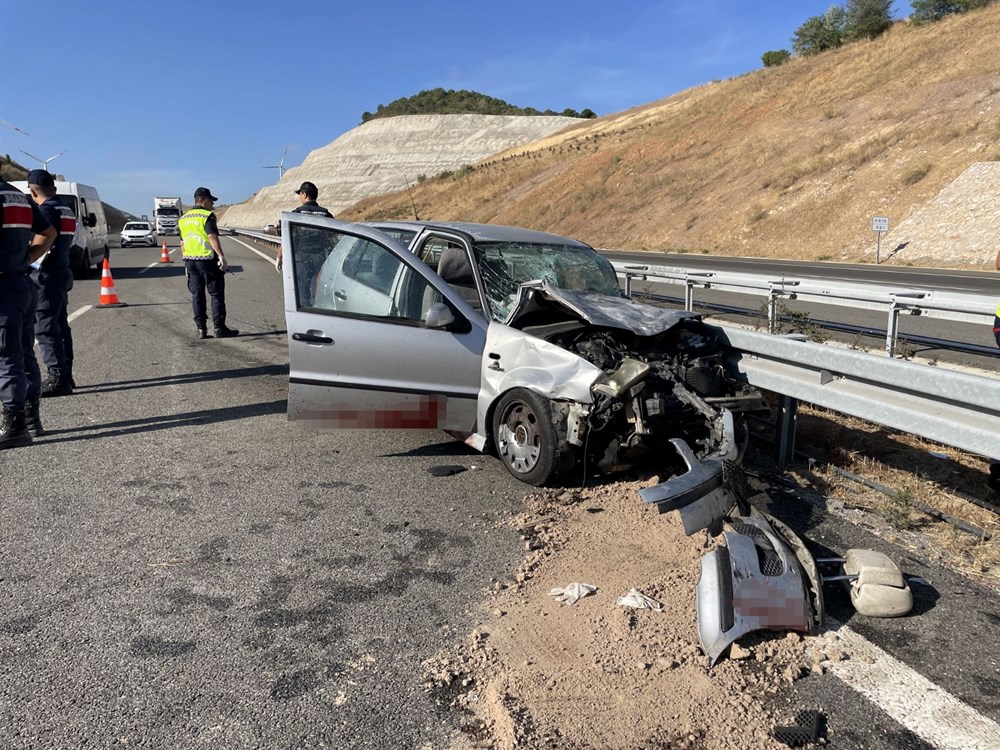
(754, 582)
(878, 588)
(808, 728)
(639, 600)
(572, 592)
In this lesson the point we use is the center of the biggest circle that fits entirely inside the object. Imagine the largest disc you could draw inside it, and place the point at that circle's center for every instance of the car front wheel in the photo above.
(524, 433)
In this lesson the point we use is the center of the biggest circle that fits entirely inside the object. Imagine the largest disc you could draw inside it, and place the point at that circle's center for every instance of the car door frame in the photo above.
(355, 397)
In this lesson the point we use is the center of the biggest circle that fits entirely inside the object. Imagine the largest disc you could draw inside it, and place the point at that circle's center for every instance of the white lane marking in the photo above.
(930, 712)
(153, 265)
(265, 256)
(78, 313)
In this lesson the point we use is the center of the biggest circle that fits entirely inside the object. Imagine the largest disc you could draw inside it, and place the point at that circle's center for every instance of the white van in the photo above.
(90, 245)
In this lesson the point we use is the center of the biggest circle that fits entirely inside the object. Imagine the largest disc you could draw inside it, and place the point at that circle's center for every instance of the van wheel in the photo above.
(83, 270)
(524, 433)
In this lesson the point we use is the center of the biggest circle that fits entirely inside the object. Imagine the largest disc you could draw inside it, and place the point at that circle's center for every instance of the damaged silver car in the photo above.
(520, 342)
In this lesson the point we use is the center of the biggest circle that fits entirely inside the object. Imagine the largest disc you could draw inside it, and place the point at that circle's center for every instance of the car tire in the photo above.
(525, 438)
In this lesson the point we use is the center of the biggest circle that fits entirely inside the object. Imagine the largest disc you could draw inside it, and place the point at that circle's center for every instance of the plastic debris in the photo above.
(809, 727)
(639, 600)
(572, 592)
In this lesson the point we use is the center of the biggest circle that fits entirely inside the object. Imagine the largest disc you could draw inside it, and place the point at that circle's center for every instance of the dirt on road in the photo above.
(539, 673)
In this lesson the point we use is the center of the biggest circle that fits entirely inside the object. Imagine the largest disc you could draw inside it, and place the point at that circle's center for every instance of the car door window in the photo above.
(344, 274)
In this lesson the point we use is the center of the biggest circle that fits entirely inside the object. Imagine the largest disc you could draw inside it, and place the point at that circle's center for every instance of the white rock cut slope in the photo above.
(378, 157)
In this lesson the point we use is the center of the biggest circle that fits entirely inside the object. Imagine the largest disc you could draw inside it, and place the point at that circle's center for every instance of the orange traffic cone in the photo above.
(109, 297)
(165, 256)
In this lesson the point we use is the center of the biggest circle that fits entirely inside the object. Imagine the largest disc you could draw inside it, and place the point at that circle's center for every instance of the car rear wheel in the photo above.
(524, 433)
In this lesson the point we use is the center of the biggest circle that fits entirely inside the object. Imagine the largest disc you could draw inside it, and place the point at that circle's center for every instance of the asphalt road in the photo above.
(182, 568)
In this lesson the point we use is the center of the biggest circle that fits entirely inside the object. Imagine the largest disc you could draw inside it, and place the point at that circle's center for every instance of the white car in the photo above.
(138, 233)
(521, 341)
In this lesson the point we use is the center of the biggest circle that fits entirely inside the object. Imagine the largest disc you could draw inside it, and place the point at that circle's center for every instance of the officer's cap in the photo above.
(308, 188)
(204, 192)
(41, 177)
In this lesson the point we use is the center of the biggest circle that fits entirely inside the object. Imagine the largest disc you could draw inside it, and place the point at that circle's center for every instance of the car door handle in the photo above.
(340, 295)
(310, 338)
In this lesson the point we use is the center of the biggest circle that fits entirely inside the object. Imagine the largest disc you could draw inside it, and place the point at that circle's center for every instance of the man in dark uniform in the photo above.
(308, 193)
(25, 237)
(53, 280)
(204, 264)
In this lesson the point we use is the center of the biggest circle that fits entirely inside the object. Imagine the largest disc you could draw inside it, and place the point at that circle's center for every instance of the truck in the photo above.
(90, 243)
(166, 212)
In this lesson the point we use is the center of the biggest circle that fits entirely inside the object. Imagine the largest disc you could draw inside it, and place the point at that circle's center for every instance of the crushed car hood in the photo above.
(594, 308)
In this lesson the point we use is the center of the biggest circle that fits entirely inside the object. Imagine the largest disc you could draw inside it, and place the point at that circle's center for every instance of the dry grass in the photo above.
(918, 473)
(781, 162)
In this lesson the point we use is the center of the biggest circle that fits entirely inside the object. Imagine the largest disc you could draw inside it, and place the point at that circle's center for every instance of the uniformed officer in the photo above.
(205, 264)
(53, 280)
(308, 193)
(25, 236)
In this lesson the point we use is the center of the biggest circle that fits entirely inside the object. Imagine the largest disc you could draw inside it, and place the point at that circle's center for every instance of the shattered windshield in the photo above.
(504, 266)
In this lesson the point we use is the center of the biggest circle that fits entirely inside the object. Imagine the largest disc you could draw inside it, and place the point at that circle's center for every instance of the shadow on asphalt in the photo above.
(166, 422)
(165, 270)
(185, 379)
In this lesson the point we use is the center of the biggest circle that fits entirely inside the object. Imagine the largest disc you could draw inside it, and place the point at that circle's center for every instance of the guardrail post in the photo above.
(628, 285)
(787, 413)
(772, 311)
(688, 295)
(892, 330)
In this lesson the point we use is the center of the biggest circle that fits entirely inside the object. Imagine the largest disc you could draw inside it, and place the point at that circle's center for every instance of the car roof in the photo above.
(485, 232)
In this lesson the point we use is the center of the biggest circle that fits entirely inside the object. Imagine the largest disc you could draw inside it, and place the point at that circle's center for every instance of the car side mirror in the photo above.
(91, 220)
(439, 316)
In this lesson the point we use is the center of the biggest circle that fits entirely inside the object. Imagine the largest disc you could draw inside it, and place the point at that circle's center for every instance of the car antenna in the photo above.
(413, 205)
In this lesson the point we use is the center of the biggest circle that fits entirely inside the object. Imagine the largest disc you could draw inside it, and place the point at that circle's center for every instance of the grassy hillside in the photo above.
(791, 161)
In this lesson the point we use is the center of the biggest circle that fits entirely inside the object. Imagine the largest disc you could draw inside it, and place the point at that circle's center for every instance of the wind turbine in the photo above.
(281, 166)
(45, 162)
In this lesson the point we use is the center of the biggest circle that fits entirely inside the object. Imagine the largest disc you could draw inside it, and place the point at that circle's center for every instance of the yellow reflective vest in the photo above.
(194, 238)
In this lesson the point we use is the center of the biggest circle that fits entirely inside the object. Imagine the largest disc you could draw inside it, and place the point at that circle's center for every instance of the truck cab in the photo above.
(166, 214)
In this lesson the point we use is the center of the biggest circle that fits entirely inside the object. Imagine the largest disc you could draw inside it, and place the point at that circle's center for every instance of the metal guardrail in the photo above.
(953, 408)
(970, 308)
(274, 239)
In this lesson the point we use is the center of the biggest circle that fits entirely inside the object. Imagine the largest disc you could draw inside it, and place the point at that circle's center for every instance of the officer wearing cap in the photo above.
(25, 236)
(53, 279)
(308, 194)
(204, 264)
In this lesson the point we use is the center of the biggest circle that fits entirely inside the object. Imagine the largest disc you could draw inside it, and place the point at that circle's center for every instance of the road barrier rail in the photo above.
(969, 308)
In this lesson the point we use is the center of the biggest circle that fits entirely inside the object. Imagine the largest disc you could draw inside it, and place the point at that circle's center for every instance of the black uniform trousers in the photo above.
(205, 275)
(55, 342)
(20, 379)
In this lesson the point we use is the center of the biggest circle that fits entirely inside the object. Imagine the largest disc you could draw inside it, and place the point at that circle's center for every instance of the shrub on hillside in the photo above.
(820, 33)
(928, 11)
(775, 57)
(866, 19)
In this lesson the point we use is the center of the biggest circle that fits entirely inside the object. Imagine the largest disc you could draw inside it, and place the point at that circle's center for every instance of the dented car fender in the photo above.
(515, 359)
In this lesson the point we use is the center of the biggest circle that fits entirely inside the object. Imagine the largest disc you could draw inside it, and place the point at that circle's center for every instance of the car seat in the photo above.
(455, 268)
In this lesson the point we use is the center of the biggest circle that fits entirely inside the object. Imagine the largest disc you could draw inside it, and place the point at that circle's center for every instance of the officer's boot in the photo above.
(13, 432)
(221, 332)
(33, 419)
(53, 386)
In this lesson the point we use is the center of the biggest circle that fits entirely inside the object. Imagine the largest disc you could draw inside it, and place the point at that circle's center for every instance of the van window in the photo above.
(68, 200)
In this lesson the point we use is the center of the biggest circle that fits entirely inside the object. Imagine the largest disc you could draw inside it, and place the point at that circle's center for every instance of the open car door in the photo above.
(375, 338)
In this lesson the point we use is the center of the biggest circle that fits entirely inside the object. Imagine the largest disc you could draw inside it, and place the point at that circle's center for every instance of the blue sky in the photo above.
(153, 98)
